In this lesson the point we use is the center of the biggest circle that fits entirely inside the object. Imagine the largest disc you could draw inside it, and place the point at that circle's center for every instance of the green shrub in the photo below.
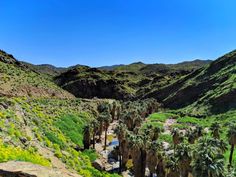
(15, 153)
(72, 127)
(58, 154)
(162, 117)
(187, 119)
(54, 139)
(91, 154)
(165, 138)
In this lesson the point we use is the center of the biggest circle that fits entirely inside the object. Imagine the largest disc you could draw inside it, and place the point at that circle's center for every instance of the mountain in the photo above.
(42, 125)
(134, 67)
(210, 89)
(147, 68)
(46, 69)
(109, 68)
(44, 128)
(89, 82)
(123, 81)
(18, 79)
(130, 67)
(209, 86)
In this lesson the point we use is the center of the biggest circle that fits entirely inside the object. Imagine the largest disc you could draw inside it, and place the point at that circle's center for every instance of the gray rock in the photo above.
(98, 164)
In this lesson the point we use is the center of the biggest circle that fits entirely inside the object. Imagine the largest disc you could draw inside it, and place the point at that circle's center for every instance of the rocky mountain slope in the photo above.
(47, 69)
(209, 86)
(200, 87)
(26, 169)
(147, 68)
(123, 81)
(208, 89)
(17, 79)
(47, 132)
(42, 123)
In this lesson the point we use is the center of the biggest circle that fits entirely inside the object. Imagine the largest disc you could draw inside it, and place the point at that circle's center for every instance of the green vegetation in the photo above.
(91, 154)
(204, 122)
(72, 127)
(198, 134)
(161, 117)
(123, 82)
(55, 123)
(165, 138)
(210, 90)
(200, 146)
(8, 153)
(18, 80)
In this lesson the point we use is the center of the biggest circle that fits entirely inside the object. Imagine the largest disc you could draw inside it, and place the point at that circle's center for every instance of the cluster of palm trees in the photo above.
(108, 112)
(105, 115)
(191, 154)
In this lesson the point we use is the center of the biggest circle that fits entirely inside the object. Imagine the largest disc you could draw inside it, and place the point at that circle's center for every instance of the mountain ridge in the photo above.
(18, 79)
(167, 83)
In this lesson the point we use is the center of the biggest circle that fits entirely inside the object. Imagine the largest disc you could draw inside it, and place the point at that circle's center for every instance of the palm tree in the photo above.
(156, 133)
(138, 154)
(103, 107)
(161, 165)
(86, 137)
(199, 131)
(125, 152)
(184, 157)
(232, 141)
(191, 136)
(176, 137)
(120, 131)
(208, 160)
(100, 120)
(215, 130)
(137, 121)
(220, 144)
(118, 112)
(143, 112)
(172, 167)
(147, 130)
(113, 110)
(129, 119)
(94, 125)
(152, 156)
(107, 119)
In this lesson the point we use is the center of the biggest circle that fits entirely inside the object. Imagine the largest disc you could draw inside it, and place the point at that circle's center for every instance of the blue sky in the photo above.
(106, 32)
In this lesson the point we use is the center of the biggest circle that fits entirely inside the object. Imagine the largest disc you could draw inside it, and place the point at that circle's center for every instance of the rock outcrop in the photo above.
(26, 169)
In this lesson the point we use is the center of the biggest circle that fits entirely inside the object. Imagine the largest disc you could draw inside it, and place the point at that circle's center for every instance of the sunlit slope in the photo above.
(16, 79)
(210, 89)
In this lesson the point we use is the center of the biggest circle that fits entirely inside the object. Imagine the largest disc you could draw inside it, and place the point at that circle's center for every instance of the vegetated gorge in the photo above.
(137, 120)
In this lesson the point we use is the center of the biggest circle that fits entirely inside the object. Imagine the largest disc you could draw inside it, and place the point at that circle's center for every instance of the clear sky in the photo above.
(106, 32)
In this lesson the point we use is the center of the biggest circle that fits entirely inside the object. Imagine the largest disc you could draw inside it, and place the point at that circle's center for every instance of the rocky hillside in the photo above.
(17, 79)
(200, 87)
(209, 86)
(47, 132)
(47, 69)
(209, 89)
(150, 68)
(123, 81)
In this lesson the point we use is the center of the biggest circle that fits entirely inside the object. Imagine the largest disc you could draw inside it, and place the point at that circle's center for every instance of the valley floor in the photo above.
(44, 137)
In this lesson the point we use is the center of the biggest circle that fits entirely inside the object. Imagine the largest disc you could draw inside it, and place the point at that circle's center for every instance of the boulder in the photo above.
(15, 174)
(27, 169)
(99, 165)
